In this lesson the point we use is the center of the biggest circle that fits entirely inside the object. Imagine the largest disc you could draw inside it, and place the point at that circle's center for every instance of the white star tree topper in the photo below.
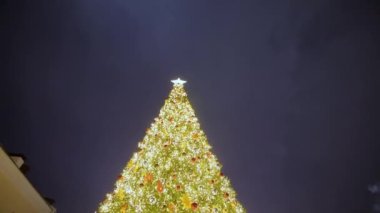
(178, 82)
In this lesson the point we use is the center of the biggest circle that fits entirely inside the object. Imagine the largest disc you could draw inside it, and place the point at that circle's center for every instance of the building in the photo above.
(17, 194)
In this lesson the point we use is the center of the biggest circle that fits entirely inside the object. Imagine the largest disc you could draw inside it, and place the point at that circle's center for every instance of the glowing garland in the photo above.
(174, 169)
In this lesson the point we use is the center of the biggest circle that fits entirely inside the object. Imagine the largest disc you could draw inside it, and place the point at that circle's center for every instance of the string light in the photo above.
(174, 169)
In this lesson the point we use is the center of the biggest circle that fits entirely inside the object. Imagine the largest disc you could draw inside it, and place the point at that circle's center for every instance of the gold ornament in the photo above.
(195, 136)
(124, 208)
(120, 194)
(186, 201)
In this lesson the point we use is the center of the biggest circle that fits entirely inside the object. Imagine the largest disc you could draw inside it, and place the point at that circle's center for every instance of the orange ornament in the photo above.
(226, 195)
(194, 206)
(148, 178)
(160, 187)
(171, 207)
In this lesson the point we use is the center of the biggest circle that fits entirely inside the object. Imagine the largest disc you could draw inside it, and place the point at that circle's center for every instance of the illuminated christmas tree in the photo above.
(174, 169)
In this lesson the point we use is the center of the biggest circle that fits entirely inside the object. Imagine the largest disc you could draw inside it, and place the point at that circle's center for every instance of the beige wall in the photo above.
(17, 195)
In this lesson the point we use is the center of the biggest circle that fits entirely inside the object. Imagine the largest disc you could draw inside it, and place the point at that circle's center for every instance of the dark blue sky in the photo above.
(285, 91)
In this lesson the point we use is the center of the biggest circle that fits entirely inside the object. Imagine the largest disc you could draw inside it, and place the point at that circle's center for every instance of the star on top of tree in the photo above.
(178, 81)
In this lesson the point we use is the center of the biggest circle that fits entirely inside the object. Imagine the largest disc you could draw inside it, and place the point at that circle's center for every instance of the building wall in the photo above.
(17, 194)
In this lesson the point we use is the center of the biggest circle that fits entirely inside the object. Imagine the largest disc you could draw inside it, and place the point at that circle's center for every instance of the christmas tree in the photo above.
(174, 169)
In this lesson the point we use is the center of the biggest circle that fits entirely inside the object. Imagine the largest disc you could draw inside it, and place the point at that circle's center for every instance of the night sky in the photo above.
(284, 90)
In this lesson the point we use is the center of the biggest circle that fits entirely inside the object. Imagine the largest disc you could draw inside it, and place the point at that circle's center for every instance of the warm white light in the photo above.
(174, 169)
